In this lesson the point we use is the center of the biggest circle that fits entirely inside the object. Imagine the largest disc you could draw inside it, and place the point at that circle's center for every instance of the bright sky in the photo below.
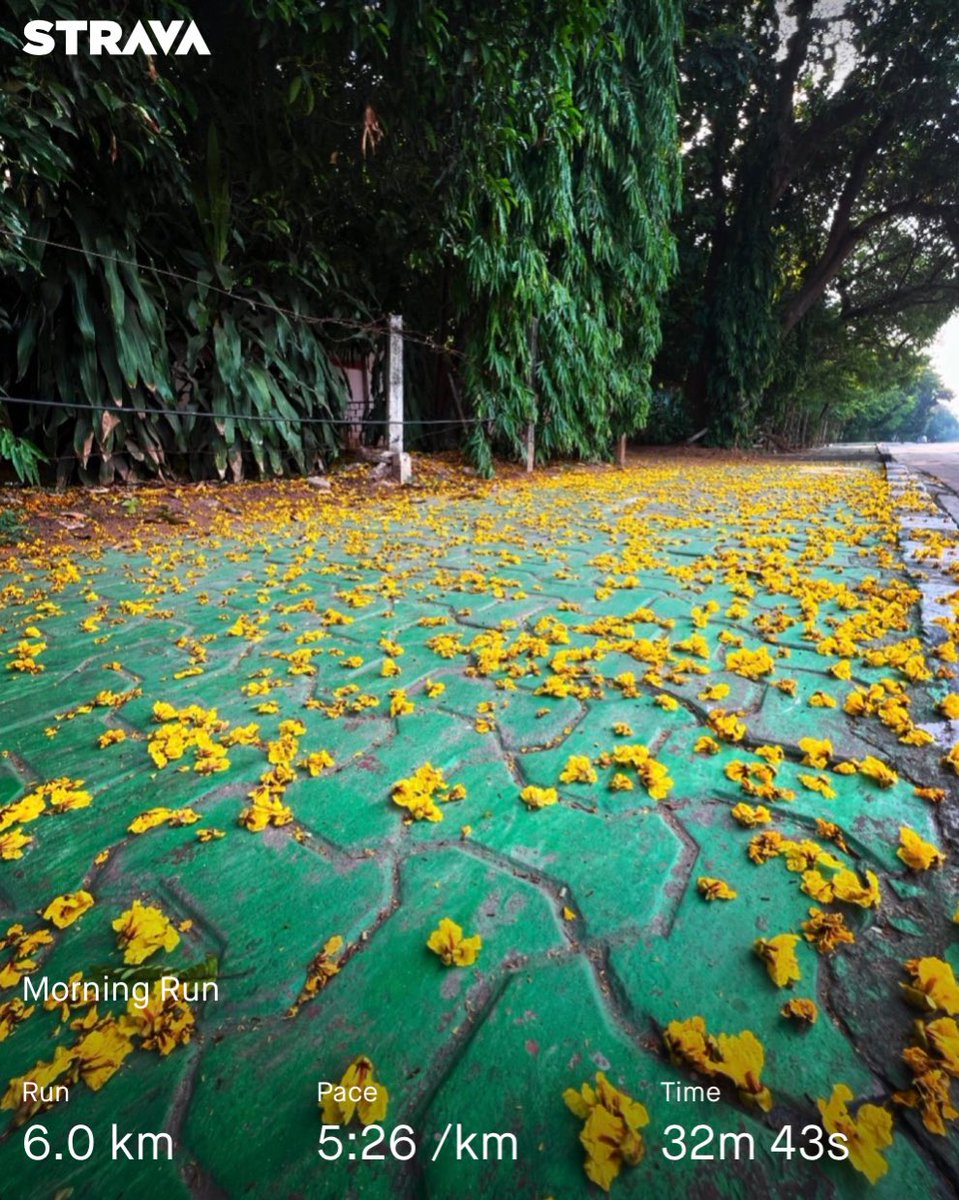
(944, 353)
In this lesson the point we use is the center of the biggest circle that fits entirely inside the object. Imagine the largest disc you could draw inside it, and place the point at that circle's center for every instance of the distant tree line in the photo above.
(742, 214)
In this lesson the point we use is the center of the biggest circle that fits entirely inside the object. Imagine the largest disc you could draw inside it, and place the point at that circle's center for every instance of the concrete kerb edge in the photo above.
(932, 582)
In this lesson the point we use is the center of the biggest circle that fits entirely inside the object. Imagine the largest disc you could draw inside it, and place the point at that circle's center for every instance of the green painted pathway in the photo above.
(551, 613)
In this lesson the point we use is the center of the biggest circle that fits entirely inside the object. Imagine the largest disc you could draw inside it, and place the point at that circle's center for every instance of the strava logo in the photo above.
(109, 37)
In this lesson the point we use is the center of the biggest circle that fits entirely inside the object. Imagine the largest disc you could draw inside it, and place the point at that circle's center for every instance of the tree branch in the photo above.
(843, 237)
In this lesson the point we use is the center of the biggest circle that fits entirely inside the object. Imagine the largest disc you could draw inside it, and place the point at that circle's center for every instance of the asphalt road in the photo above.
(940, 459)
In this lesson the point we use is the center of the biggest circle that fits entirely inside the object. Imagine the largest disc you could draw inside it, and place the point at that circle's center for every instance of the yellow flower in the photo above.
(931, 1094)
(656, 779)
(942, 1036)
(815, 884)
(433, 690)
(851, 890)
(43, 1074)
(64, 910)
(400, 705)
(822, 699)
(622, 729)
(319, 973)
(537, 797)
(751, 664)
(933, 985)
(389, 668)
(620, 783)
(174, 817)
(826, 930)
(578, 769)
(779, 955)
(828, 829)
(99, 1054)
(715, 691)
(816, 752)
(111, 738)
(736, 1057)
(610, 1135)
(339, 1108)
(667, 702)
(318, 762)
(817, 783)
(877, 770)
(210, 835)
(163, 1023)
(766, 845)
(917, 854)
(706, 745)
(11, 1014)
(266, 809)
(801, 1009)
(715, 889)
(455, 950)
(949, 706)
(245, 735)
(13, 843)
(726, 726)
(143, 930)
(419, 792)
(867, 1133)
(746, 815)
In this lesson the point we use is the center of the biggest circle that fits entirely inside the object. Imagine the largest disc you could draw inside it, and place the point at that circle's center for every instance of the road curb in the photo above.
(907, 486)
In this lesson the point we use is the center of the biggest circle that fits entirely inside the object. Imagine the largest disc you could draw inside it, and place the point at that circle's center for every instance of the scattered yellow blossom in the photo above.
(738, 1058)
(933, 985)
(610, 1135)
(339, 1106)
(916, 853)
(419, 793)
(578, 769)
(174, 817)
(715, 889)
(163, 1023)
(143, 930)
(817, 752)
(64, 910)
(779, 955)
(800, 1008)
(883, 775)
(537, 797)
(866, 1134)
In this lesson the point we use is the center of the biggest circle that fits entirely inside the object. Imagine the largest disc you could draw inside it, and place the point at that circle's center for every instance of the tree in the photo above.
(488, 170)
(820, 171)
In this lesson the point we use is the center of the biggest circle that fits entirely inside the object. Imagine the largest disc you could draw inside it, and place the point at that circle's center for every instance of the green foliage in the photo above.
(11, 526)
(943, 426)
(563, 192)
(524, 176)
(22, 455)
(820, 187)
(833, 382)
(153, 333)
(667, 421)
